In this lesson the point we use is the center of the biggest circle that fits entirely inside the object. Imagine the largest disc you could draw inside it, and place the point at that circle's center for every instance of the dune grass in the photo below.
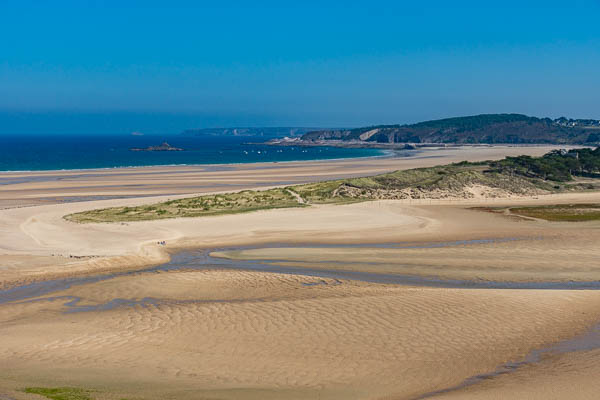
(414, 183)
(418, 183)
(60, 393)
(218, 204)
(446, 181)
(561, 212)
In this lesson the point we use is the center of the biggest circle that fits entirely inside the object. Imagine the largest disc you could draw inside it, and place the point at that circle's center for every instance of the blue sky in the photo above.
(166, 66)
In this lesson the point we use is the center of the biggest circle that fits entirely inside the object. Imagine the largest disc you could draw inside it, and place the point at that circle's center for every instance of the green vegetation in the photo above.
(217, 204)
(562, 212)
(436, 182)
(474, 122)
(555, 166)
(61, 393)
(321, 192)
(514, 175)
(484, 128)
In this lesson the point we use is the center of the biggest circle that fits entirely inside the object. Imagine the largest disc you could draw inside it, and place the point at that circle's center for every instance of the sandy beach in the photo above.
(49, 187)
(216, 332)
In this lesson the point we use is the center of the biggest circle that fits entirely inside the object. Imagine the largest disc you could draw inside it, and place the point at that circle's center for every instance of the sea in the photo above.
(69, 152)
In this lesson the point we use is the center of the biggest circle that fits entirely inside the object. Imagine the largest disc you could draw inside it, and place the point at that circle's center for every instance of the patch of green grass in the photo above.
(561, 212)
(60, 393)
(320, 192)
(218, 204)
(420, 182)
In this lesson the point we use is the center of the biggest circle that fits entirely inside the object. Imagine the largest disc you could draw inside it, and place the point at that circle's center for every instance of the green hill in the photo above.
(484, 128)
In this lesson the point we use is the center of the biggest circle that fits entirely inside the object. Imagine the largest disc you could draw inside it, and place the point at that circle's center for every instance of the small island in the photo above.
(163, 147)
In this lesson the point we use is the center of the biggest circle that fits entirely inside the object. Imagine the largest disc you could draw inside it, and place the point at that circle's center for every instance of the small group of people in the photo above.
(163, 243)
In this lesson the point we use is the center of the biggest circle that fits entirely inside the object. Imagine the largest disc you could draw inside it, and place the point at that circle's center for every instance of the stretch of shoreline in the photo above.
(42, 202)
(221, 333)
(21, 189)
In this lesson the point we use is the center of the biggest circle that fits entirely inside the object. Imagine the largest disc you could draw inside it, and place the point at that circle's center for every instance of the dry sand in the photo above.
(230, 334)
(49, 187)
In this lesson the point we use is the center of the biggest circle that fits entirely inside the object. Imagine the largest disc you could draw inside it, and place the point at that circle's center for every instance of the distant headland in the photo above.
(476, 129)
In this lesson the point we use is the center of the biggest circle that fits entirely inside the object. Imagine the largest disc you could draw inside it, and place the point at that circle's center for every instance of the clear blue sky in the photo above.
(168, 65)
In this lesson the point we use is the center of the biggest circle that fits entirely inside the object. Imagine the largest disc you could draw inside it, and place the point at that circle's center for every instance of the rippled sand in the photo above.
(571, 256)
(240, 334)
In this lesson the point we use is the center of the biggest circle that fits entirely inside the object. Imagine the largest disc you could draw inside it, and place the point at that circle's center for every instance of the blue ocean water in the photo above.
(55, 152)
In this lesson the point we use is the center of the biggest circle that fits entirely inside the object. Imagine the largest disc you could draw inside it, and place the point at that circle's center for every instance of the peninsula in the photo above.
(475, 129)
(552, 173)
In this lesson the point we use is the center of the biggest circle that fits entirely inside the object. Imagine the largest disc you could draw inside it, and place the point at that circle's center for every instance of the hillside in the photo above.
(485, 128)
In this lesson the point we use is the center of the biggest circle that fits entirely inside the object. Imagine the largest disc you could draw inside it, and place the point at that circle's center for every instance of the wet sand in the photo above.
(210, 331)
(248, 334)
(19, 189)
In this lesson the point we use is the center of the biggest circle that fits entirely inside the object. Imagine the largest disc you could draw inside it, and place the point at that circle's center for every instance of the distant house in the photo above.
(567, 153)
